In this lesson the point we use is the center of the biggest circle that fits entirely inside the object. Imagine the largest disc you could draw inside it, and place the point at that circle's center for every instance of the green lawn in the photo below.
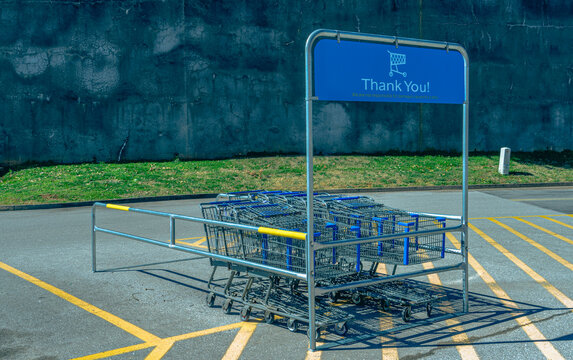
(40, 184)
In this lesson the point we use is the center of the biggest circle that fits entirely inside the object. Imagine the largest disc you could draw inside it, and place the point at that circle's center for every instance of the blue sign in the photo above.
(363, 71)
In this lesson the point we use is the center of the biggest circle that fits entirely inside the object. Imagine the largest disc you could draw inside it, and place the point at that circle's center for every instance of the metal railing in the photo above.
(172, 240)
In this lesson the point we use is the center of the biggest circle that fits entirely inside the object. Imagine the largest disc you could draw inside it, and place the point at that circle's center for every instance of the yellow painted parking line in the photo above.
(114, 352)
(160, 342)
(162, 346)
(537, 245)
(527, 326)
(466, 351)
(120, 323)
(314, 355)
(529, 271)
(388, 352)
(205, 332)
(241, 339)
(543, 199)
(193, 238)
(197, 243)
(560, 237)
(381, 269)
(557, 221)
(160, 350)
(200, 242)
(523, 216)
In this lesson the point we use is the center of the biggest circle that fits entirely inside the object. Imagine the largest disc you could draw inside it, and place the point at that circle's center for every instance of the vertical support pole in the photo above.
(265, 243)
(356, 229)
(406, 256)
(93, 239)
(464, 235)
(443, 222)
(309, 200)
(172, 231)
(289, 253)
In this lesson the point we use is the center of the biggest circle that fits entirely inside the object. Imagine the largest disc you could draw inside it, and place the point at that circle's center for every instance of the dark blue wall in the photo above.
(143, 79)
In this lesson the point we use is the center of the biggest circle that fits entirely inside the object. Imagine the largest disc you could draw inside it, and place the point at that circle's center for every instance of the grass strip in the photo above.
(43, 184)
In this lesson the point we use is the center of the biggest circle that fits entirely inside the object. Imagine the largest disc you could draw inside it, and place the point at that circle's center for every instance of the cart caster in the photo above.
(292, 325)
(385, 304)
(245, 313)
(357, 298)
(429, 309)
(407, 313)
(269, 317)
(333, 296)
(316, 333)
(341, 328)
(227, 306)
(211, 299)
(294, 286)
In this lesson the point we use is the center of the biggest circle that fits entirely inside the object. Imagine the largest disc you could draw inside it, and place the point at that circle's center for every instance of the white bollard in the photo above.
(504, 155)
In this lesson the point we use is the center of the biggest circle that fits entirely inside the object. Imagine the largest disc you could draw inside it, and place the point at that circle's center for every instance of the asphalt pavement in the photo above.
(150, 302)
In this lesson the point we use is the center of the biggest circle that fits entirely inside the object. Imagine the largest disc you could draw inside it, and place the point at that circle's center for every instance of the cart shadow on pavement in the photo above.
(374, 327)
(488, 318)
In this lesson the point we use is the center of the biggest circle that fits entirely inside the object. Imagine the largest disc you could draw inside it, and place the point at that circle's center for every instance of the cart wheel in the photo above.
(385, 304)
(316, 333)
(269, 317)
(292, 324)
(357, 298)
(391, 74)
(333, 296)
(429, 309)
(211, 299)
(407, 313)
(245, 313)
(294, 286)
(227, 306)
(404, 74)
(341, 328)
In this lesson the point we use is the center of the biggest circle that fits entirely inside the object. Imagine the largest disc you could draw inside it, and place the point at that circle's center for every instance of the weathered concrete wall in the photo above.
(148, 79)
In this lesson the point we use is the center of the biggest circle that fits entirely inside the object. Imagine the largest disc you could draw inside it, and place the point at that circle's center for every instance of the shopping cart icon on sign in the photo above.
(395, 60)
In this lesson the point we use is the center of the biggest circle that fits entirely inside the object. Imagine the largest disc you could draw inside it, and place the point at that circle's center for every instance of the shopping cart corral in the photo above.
(297, 255)
(336, 219)
(256, 242)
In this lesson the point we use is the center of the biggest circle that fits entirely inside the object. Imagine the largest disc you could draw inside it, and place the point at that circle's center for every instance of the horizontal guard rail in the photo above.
(448, 217)
(361, 283)
(171, 244)
(262, 230)
(331, 244)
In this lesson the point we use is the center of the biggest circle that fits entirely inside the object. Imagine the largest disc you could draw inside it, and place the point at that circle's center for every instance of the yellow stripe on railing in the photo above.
(284, 233)
(117, 207)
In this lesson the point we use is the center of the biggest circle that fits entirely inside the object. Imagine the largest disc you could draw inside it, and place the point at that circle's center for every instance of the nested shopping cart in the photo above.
(260, 290)
(362, 217)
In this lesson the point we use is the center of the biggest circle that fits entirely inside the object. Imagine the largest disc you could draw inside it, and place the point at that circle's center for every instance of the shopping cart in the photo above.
(335, 218)
(260, 290)
(367, 218)
(395, 60)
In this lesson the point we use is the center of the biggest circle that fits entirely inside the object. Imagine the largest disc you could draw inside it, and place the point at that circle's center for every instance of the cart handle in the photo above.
(283, 233)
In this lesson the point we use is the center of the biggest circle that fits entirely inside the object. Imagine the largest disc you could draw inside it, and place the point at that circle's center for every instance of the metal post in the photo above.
(93, 239)
(464, 235)
(310, 202)
(172, 230)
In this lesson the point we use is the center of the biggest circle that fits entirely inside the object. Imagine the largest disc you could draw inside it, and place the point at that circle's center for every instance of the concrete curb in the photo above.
(334, 191)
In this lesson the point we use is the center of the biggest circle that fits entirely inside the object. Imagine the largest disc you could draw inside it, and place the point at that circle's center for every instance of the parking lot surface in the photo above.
(147, 302)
